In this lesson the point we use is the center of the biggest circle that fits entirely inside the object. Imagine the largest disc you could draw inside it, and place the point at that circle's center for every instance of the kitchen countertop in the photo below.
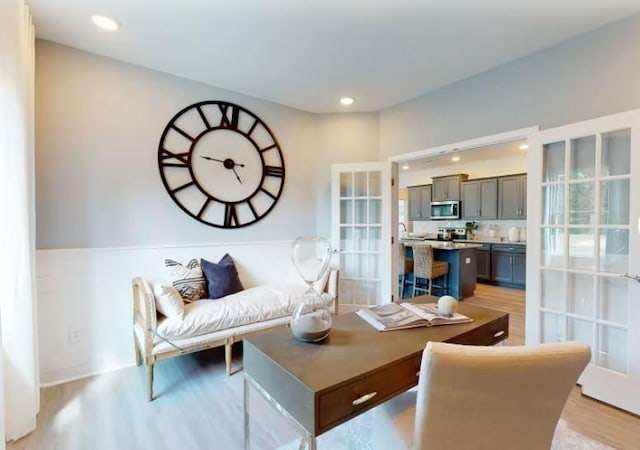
(442, 245)
(492, 241)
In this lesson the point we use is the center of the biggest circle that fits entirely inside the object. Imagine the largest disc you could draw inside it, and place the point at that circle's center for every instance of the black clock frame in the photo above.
(230, 217)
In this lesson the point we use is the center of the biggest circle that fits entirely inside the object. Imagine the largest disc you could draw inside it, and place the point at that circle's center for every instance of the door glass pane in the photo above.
(581, 248)
(375, 239)
(346, 266)
(375, 293)
(615, 153)
(552, 327)
(583, 158)
(375, 184)
(346, 211)
(553, 204)
(612, 348)
(614, 250)
(362, 267)
(375, 211)
(614, 202)
(581, 297)
(613, 300)
(360, 212)
(374, 267)
(360, 187)
(552, 289)
(360, 239)
(553, 247)
(553, 162)
(581, 203)
(580, 330)
(346, 238)
(346, 184)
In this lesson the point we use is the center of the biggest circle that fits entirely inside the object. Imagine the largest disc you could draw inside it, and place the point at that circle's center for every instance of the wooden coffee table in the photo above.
(322, 385)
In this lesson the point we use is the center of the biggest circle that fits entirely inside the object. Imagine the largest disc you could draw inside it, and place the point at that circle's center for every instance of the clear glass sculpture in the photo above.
(311, 321)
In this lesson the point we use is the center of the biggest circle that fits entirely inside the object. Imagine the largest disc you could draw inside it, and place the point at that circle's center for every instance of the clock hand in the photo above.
(212, 159)
(234, 171)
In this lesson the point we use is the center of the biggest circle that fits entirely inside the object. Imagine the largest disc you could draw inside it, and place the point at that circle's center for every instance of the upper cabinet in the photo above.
(447, 188)
(480, 199)
(419, 202)
(512, 197)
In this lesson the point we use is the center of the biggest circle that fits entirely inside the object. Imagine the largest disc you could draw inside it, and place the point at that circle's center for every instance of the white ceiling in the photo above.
(308, 53)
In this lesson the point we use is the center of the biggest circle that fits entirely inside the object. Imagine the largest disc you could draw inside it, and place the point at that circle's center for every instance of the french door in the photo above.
(363, 209)
(583, 239)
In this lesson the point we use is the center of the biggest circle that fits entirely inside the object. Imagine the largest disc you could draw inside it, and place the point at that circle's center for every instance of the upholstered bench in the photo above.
(212, 323)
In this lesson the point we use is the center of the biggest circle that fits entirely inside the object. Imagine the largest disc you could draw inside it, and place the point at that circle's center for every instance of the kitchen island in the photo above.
(462, 264)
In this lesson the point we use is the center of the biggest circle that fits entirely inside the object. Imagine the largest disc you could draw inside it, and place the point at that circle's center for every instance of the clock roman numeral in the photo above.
(204, 208)
(204, 118)
(253, 127)
(182, 132)
(182, 157)
(268, 193)
(266, 149)
(274, 171)
(230, 215)
(235, 116)
(253, 209)
(184, 186)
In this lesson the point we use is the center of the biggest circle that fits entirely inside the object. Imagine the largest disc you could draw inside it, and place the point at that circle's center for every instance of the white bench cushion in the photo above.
(246, 307)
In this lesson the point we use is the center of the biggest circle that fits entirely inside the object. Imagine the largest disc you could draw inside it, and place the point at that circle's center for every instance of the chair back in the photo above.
(494, 397)
(405, 265)
(423, 261)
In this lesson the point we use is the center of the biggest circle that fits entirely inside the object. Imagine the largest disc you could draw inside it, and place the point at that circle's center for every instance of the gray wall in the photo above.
(98, 123)
(589, 76)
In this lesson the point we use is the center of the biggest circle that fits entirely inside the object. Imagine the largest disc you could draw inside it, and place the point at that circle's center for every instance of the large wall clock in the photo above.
(221, 164)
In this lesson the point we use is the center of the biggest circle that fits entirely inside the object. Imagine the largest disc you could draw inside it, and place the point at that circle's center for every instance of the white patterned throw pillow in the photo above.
(169, 303)
(188, 280)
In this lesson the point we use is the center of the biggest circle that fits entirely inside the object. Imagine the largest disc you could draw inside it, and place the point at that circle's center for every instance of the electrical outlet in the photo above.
(74, 335)
(468, 261)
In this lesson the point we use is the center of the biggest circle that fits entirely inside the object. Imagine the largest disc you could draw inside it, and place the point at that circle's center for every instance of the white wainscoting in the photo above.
(90, 289)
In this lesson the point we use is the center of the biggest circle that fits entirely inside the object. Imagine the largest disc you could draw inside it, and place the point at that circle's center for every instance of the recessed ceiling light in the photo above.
(104, 22)
(346, 101)
(405, 167)
(455, 159)
(524, 147)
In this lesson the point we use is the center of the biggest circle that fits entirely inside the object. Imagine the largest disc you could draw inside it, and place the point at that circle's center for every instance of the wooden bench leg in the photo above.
(228, 343)
(150, 382)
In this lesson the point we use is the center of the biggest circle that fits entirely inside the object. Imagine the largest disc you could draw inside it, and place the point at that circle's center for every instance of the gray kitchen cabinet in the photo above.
(447, 188)
(483, 262)
(480, 199)
(508, 264)
(512, 197)
(419, 202)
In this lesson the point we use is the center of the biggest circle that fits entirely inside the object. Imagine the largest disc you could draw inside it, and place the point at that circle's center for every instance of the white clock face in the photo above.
(221, 164)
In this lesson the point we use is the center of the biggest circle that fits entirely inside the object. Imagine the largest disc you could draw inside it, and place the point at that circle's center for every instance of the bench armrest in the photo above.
(144, 312)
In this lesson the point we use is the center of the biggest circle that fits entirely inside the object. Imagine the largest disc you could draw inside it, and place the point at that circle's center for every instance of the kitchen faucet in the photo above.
(404, 227)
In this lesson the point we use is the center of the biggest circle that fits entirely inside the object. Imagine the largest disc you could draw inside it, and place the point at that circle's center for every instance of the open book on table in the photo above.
(398, 316)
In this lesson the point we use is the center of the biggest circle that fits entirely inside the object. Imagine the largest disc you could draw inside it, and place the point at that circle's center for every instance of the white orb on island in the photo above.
(447, 306)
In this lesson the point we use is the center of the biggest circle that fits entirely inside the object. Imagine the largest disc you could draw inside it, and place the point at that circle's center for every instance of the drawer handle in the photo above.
(499, 333)
(364, 398)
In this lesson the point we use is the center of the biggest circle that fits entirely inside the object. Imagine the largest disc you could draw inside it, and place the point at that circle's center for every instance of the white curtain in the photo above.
(17, 222)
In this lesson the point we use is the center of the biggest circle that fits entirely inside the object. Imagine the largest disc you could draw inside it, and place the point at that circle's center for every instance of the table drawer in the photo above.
(489, 334)
(340, 404)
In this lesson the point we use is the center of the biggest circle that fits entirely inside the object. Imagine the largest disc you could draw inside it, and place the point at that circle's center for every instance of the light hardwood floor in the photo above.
(199, 407)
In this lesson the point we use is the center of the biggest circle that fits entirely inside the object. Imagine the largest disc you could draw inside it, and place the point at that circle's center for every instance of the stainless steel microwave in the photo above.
(445, 210)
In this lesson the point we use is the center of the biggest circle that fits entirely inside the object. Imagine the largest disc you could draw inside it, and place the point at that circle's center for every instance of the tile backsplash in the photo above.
(501, 226)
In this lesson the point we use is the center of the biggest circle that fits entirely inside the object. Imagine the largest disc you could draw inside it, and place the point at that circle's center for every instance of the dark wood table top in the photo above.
(354, 348)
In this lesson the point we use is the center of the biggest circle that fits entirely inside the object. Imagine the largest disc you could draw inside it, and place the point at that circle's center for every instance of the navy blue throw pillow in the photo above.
(222, 278)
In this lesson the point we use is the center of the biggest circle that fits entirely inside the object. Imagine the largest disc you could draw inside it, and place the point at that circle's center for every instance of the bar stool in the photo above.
(405, 267)
(425, 267)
